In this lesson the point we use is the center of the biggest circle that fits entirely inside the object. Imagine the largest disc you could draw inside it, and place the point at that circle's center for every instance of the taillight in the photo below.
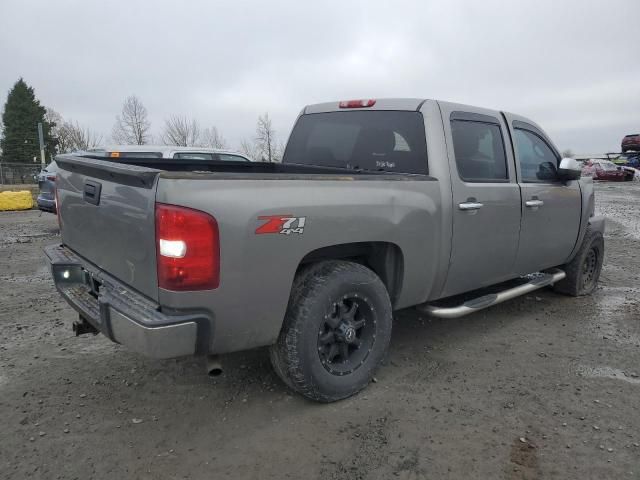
(51, 178)
(357, 103)
(187, 249)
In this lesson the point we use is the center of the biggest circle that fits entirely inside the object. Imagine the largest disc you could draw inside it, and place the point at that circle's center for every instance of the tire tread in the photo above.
(572, 283)
(284, 354)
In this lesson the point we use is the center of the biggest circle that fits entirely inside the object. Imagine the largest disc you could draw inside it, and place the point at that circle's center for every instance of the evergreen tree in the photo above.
(22, 112)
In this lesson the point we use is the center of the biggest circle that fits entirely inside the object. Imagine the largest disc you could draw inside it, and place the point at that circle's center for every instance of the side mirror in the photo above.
(570, 169)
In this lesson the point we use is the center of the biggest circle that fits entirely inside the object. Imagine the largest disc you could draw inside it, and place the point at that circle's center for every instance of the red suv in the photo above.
(631, 142)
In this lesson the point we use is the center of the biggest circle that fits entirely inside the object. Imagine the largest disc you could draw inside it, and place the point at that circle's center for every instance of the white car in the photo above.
(170, 151)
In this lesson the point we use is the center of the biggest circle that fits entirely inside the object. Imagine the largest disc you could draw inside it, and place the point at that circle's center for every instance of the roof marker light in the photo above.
(357, 103)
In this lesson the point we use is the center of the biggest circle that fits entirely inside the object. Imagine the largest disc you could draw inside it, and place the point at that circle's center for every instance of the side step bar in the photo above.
(536, 281)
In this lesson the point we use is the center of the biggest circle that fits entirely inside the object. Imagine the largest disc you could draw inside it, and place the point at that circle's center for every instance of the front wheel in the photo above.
(583, 271)
(336, 331)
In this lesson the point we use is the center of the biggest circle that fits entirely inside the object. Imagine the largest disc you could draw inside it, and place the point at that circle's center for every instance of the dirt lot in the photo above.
(545, 386)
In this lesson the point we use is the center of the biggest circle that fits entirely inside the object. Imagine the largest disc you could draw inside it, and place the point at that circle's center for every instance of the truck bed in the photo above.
(267, 168)
(117, 234)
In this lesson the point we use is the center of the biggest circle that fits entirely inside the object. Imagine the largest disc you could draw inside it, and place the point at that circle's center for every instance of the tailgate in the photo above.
(107, 217)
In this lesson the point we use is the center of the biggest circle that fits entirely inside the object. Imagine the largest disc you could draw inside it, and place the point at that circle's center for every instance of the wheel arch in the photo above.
(384, 258)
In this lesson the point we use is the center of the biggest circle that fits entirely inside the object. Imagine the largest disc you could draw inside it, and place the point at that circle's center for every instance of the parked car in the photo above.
(630, 173)
(627, 160)
(121, 153)
(605, 170)
(46, 200)
(631, 142)
(378, 205)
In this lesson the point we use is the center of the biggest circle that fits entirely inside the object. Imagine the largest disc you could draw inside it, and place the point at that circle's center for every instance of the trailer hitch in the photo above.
(82, 327)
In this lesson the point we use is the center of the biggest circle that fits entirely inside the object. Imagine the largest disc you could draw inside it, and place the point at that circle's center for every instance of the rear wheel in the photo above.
(336, 331)
(584, 270)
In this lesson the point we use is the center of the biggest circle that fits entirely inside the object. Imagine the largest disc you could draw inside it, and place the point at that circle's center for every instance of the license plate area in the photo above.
(76, 276)
(93, 285)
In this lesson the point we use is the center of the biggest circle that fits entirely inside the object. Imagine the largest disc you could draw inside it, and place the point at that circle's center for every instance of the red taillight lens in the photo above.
(357, 103)
(187, 249)
(51, 178)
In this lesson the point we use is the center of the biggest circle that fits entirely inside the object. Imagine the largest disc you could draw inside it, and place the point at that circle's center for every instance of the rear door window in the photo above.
(479, 151)
(392, 141)
(193, 156)
(232, 158)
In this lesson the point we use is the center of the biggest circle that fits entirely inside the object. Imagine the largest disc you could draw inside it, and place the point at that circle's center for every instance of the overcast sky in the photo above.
(572, 66)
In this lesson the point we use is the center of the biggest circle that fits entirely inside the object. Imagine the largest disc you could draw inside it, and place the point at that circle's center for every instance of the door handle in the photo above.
(91, 192)
(534, 203)
(470, 206)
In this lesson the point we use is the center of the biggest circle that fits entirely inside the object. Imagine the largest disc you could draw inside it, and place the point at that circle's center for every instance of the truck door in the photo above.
(551, 209)
(486, 198)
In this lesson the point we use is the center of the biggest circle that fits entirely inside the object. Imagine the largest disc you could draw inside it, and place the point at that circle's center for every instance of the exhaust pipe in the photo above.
(214, 368)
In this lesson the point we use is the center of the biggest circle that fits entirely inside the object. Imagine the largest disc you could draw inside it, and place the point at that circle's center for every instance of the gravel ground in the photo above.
(544, 386)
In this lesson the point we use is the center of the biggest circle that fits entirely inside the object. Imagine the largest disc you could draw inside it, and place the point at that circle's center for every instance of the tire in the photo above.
(336, 331)
(584, 270)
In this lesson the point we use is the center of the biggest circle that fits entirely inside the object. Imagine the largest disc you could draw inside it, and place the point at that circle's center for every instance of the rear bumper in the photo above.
(125, 316)
(46, 204)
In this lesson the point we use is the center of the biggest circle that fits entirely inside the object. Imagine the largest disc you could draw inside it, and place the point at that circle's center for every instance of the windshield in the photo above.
(391, 141)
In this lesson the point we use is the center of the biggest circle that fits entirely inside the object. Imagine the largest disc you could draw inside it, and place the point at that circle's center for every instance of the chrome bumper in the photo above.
(123, 315)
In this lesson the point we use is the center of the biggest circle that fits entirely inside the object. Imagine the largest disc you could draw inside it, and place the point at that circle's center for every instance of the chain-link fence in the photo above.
(19, 173)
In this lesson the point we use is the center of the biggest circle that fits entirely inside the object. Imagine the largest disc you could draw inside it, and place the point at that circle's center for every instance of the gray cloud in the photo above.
(571, 66)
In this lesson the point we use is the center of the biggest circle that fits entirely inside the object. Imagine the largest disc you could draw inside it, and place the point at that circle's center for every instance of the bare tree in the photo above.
(251, 150)
(55, 121)
(212, 138)
(279, 153)
(132, 126)
(266, 138)
(63, 134)
(51, 116)
(181, 131)
(71, 137)
(568, 153)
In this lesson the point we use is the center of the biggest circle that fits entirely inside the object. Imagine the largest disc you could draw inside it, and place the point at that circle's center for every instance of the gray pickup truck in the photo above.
(377, 205)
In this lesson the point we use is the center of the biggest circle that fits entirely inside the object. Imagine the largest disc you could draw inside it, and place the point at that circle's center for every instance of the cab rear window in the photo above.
(392, 141)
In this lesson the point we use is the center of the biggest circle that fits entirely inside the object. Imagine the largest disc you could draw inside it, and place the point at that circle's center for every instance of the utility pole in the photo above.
(41, 137)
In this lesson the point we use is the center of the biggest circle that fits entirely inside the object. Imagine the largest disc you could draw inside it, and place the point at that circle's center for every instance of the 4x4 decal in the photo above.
(284, 224)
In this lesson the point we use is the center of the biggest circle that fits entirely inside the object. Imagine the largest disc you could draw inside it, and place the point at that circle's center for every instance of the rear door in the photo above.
(551, 209)
(486, 198)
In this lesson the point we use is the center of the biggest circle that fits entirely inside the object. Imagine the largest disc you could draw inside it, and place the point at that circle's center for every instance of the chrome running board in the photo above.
(536, 281)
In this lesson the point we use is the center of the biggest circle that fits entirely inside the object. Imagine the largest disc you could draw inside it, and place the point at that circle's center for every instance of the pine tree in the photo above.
(22, 112)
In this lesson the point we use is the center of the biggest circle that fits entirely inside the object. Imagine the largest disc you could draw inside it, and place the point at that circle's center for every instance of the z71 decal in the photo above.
(283, 224)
